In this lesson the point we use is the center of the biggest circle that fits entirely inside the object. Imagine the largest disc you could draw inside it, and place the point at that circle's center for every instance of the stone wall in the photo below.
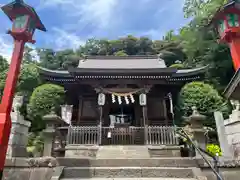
(19, 136)
(19, 169)
(232, 128)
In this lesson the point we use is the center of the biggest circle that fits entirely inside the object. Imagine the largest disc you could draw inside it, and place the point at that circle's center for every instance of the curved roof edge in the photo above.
(190, 72)
(56, 73)
(68, 73)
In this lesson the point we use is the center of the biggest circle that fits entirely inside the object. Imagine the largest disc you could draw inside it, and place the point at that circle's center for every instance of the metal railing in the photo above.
(214, 168)
(161, 135)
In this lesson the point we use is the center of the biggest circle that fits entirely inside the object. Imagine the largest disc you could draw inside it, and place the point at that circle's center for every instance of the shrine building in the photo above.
(131, 91)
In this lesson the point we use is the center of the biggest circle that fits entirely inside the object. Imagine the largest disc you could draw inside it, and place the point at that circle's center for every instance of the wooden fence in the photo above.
(94, 135)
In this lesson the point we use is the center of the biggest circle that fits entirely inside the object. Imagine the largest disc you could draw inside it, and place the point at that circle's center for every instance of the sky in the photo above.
(70, 23)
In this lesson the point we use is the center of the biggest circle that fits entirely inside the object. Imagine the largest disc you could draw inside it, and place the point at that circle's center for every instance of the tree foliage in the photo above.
(204, 97)
(42, 100)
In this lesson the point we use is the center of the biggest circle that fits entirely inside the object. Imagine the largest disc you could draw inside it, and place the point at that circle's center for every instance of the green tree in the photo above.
(42, 100)
(204, 97)
(200, 43)
(29, 79)
(27, 56)
(3, 64)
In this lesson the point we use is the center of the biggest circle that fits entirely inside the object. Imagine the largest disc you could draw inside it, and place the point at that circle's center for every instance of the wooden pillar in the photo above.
(80, 106)
(165, 111)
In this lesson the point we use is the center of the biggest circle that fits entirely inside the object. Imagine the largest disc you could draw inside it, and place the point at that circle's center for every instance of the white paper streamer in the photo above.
(132, 98)
(119, 100)
(113, 98)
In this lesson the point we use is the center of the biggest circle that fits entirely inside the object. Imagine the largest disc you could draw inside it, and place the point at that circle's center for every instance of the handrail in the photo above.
(201, 153)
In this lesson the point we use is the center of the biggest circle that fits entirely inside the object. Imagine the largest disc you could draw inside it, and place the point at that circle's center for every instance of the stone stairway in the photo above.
(128, 163)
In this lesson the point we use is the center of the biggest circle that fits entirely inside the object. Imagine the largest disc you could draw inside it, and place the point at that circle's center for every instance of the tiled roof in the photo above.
(128, 62)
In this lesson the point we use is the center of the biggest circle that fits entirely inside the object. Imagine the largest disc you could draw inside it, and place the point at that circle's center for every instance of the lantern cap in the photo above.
(18, 6)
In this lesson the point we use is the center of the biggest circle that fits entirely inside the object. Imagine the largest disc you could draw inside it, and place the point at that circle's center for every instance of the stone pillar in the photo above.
(196, 125)
(232, 129)
(52, 121)
(19, 133)
(225, 147)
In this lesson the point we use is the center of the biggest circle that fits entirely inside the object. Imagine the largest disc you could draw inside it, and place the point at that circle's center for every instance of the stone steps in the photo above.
(123, 152)
(137, 162)
(127, 172)
(131, 179)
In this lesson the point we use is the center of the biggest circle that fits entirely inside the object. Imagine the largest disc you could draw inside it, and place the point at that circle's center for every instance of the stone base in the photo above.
(16, 151)
(164, 151)
(81, 151)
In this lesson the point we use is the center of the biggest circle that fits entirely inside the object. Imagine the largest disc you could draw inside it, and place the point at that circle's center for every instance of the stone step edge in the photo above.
(168, 168)
(154, 178)
(153, 158)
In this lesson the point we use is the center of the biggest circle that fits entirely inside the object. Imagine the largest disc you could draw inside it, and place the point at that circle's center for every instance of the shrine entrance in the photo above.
(122, 115)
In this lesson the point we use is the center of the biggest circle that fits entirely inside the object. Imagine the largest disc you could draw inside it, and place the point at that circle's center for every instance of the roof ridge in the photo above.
(132, 57)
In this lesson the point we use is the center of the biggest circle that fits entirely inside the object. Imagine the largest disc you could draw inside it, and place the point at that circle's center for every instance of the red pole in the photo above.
(7, 100)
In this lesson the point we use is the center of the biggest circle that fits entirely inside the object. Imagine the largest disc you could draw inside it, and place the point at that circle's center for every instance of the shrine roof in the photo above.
(121, 62)
(232, 89)
(129, 65)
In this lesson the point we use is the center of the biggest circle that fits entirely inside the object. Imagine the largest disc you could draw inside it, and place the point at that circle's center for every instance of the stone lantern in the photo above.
(52, 122)
(196, 124)
(196, 119)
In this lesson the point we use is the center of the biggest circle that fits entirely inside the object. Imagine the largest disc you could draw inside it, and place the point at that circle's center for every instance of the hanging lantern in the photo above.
(142, 99)
(113, 98)
(101, 99)
(126, 99)
(132, 98)
(119, 100)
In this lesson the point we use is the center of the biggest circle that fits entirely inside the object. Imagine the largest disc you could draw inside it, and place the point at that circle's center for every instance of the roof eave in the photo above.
(230, 91)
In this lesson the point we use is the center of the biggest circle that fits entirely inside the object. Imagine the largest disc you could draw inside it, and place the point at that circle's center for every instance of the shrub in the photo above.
(42, 100)
(214, 150)
(204, 97)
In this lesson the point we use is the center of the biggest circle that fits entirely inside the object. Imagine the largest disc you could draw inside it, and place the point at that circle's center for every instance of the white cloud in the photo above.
(65, 39)
(6, 47)
(96, 12)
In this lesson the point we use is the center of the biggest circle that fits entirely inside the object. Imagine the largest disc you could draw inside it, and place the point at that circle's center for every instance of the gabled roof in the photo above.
(130, 67)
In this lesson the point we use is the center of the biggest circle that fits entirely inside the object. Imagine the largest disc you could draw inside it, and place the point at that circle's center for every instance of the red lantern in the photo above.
(227, 21)
(25, 21)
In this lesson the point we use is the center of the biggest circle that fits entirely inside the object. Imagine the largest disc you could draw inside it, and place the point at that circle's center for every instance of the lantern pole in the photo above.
(20, 36)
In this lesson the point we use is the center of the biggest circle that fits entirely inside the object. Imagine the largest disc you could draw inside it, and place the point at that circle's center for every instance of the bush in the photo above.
(43, 99)
(204, 97)
(35, 144)
(214, 150)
